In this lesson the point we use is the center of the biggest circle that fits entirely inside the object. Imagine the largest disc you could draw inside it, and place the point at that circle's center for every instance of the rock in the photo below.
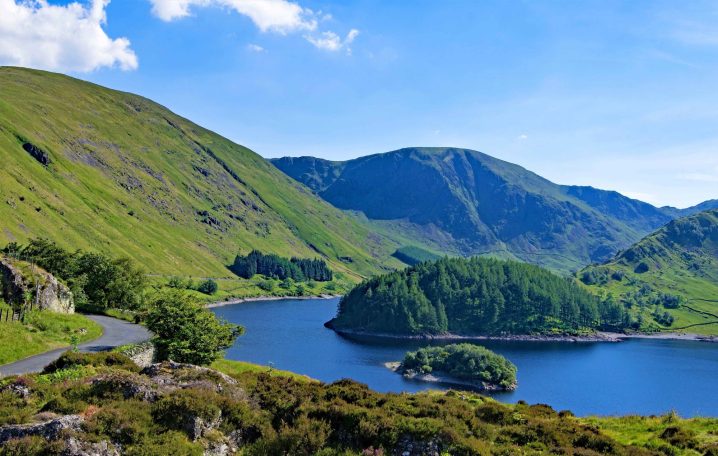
(75, 447)
(130, 386)
(408, 446)
(197, 427)
(142, 354)
(46, 291)
(38, 154)
(218, 449)
(17, 388)
(49, 430)
(170, 373)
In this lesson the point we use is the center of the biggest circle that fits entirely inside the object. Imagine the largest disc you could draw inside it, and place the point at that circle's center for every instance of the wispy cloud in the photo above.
(61, 38)
(330, 41)
(277, 16)
(255, 47)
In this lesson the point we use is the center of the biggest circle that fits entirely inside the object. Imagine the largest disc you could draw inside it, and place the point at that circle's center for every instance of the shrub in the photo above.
(208, 287)
(187, 332)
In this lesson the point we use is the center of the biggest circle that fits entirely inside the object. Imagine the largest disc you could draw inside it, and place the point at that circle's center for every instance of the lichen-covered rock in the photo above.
(409, 446)
(130, 386)
(20, 280)
(142, 354)
(75, 447)
(179, 375)
(49, 430)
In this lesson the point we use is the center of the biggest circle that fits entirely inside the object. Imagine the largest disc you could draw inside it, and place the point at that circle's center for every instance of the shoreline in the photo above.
(395, 366)
(597, 337)
(232, 301)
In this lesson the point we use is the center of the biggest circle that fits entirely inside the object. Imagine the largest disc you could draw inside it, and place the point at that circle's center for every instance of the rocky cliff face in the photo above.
(20, 281)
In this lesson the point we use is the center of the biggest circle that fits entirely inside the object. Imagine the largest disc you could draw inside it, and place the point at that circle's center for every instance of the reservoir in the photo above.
(638, 376)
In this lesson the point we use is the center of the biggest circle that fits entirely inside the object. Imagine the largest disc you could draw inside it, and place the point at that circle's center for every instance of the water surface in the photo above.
(639, 376)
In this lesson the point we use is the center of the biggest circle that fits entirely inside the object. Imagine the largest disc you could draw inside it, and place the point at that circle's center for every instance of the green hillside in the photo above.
(463, 202)
(673, 271)
(93, 168)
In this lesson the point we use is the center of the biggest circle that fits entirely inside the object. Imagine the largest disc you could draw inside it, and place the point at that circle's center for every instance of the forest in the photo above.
(475, 296)
(276, 267)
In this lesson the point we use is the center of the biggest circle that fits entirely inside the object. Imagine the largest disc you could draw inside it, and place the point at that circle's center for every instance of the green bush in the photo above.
(103, 359)
(208, 287)
(187, 332)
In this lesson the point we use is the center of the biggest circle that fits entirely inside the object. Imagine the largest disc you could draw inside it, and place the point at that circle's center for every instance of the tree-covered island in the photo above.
(463, 364)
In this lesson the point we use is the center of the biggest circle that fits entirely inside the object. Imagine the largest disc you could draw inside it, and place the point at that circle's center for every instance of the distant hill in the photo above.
(464, 202)
(95, 168)
(673, 271)
(704, 206)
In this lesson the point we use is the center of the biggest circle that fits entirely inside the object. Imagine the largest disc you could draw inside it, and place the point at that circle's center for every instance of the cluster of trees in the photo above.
(207, 286)
(463, 361)
(276, 267)
(475, 296)
(94, 278)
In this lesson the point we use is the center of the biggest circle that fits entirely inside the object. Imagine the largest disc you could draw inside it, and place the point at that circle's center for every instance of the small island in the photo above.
(463, 364)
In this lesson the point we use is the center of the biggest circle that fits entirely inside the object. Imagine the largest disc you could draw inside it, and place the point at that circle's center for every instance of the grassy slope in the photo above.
(41, 332)
(682, 258)
(695, 434)
(129, 177)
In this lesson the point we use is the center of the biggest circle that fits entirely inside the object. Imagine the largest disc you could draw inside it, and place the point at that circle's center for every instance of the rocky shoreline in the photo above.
(438, 377)
(596, 337)
(229, 302)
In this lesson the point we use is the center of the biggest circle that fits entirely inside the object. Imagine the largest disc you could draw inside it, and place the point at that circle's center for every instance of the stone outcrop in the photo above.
(49, 430)
(21, 280)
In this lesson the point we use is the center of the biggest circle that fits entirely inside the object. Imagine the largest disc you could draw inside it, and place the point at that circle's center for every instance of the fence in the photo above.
(7, 315)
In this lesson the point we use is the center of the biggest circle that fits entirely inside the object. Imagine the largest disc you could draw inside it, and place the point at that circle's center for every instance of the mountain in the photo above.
(671, 274)
(94, 168)
(704, 206)
(465, 202)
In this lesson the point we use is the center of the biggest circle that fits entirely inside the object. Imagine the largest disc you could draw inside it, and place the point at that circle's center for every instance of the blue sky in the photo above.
(615, 94)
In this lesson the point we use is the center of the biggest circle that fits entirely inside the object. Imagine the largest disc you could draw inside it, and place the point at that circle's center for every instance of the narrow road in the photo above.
(115, 333)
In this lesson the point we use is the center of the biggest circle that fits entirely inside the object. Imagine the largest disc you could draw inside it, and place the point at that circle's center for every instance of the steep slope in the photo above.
(674, 271)
(465, 202)
(94, 168)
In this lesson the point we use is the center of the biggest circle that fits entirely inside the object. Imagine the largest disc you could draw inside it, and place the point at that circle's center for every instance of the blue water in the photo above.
(640, 376)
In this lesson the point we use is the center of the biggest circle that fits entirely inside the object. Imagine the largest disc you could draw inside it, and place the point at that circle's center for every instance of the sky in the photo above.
(620, 95)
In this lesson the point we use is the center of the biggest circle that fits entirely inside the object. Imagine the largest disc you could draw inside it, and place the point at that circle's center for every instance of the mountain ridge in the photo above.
(476, 204)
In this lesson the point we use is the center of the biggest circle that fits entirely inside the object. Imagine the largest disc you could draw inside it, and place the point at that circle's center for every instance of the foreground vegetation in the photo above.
(42, 331)
(175, 409)
(476, 296)
(668, 280)
(477, 365)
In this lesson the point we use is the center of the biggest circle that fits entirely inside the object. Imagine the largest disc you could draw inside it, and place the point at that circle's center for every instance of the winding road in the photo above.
(115, 333)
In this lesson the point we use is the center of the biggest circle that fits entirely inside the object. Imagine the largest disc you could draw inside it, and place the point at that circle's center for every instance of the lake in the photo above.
(638, 376)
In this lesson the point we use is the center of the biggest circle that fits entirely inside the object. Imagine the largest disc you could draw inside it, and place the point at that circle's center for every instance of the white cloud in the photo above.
(523, 137)
(255, 47)
(330, 41)
(279, 16)
(35, 34)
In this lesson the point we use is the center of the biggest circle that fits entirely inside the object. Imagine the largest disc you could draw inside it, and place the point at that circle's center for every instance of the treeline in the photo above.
(475, 296)
(94, 278)
(276, 267)
(463, 361)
